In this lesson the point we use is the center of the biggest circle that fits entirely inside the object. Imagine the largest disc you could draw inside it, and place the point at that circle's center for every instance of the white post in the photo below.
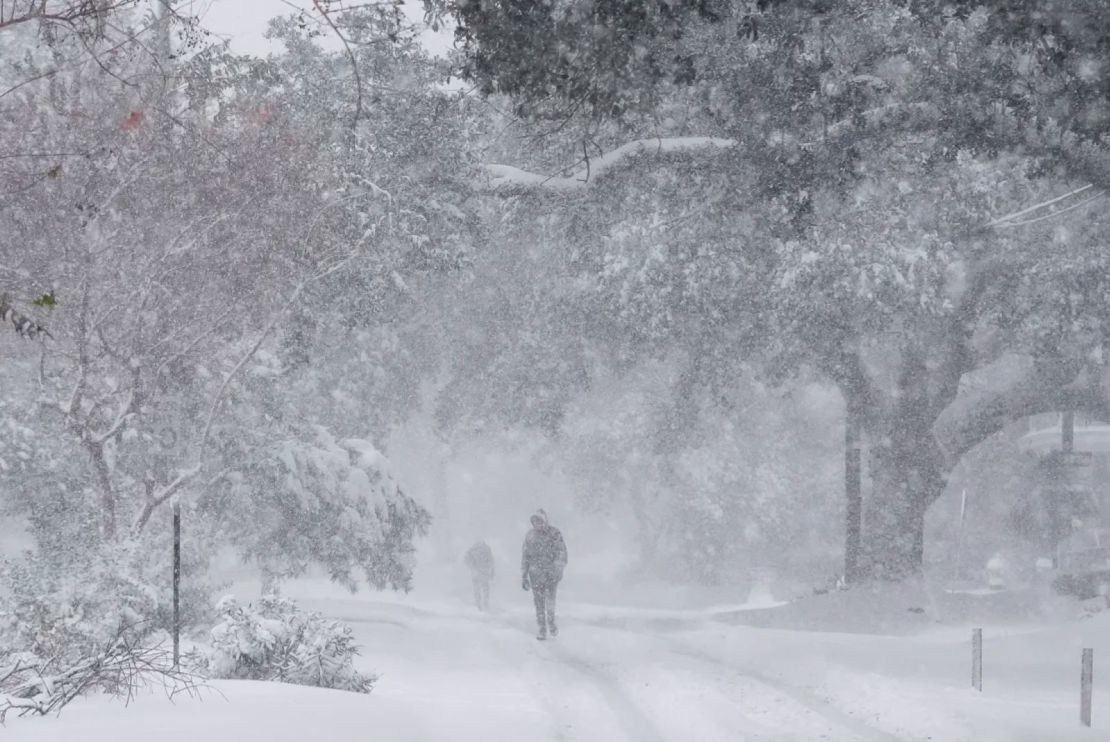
(960, 535)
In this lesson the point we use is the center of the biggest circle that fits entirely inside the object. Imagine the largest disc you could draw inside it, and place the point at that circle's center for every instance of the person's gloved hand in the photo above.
(524, 583)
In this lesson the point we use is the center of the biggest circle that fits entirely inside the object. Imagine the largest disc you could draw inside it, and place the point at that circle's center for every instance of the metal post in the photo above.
(1086, 682)
(1067, 432)
(854, 510)
(176, 584)
(977, 659)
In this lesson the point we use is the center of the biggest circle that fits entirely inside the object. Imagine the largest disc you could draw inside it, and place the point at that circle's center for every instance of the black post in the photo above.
(176, 584)
(1067, 432)
(1086, 682)
(977, 659)
(854, 509)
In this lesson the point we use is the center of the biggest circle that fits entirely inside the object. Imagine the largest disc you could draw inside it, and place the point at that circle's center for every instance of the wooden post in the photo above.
(854, 509)
(1086, 682)
(977, 659)
(176, 584)
(1067, 432)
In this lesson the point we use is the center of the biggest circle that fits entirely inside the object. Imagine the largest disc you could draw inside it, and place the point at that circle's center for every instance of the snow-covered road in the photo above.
(594, 683)
(620, 674)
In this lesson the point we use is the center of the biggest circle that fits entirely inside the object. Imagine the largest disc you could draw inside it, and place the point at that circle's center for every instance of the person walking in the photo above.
(544, 558)
(479, 558)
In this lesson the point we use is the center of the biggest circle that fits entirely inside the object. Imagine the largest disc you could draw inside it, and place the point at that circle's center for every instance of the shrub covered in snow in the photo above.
(275, 640)
(67, 613)
(314, 498)
(68, 606)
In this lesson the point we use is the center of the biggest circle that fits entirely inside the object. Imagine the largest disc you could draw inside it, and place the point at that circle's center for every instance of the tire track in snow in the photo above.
(820, 707)
(635, 725)
(488, 636)
(817, 705)
(508, 642)
(512, 660)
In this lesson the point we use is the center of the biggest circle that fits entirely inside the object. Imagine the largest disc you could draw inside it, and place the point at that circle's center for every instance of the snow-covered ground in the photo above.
(643, 675)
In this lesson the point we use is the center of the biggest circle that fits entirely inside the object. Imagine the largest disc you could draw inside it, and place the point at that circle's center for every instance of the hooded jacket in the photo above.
(545, 553)
(479, 558)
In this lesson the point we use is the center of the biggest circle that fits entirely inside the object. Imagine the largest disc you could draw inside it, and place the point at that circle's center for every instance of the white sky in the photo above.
(243, 22)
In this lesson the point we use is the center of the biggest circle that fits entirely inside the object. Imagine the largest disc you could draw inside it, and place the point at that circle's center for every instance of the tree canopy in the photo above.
(892, 193)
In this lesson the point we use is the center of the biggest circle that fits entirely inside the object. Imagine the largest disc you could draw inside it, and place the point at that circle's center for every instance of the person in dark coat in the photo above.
(479, 558)
(542, 564)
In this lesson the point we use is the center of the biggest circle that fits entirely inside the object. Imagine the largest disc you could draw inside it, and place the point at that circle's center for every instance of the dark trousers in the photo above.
(481, 592)
(543, 594)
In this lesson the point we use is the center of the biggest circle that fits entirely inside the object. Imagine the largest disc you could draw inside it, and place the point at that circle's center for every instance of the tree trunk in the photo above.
(908, 474)
(107, 492)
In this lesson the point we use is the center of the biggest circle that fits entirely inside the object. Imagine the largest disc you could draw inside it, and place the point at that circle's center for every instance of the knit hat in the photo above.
(541, 515)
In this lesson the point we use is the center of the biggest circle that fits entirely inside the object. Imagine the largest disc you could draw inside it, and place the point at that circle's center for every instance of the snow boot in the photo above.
(554, 630)
(542, 635)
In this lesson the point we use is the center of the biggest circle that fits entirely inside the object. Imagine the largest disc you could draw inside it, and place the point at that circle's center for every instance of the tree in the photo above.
(746, 485)
(187, 251)
(41, 40)
(824, 191)
(78, 16)
(397, 197)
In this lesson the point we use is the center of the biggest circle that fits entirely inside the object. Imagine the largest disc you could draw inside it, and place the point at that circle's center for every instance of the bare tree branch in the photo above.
(319, 5)
(165, 493)
(125, 664)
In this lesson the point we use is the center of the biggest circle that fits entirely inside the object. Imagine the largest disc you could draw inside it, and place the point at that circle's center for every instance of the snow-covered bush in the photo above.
(275, 640)
(67, 608)
(312, 498)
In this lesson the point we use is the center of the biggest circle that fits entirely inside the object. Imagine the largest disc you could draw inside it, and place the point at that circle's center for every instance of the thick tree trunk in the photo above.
(919, 437)
(908, 474)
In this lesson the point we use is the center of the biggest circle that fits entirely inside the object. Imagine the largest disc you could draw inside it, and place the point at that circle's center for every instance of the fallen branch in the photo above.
(123, 666)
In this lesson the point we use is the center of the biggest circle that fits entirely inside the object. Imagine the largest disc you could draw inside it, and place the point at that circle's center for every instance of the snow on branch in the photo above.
(507, 177)
(127, 409)
(123, 666)
(155, 499)
(24, 325)
(880, 118)
(1009, 389)
(1048, 209)
(66, 12)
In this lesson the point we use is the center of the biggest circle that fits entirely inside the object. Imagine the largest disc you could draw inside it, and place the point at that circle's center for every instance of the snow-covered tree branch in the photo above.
(588, 171)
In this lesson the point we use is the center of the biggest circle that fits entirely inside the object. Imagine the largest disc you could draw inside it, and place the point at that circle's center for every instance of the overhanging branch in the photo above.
(1042, 385)
(506, 178)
